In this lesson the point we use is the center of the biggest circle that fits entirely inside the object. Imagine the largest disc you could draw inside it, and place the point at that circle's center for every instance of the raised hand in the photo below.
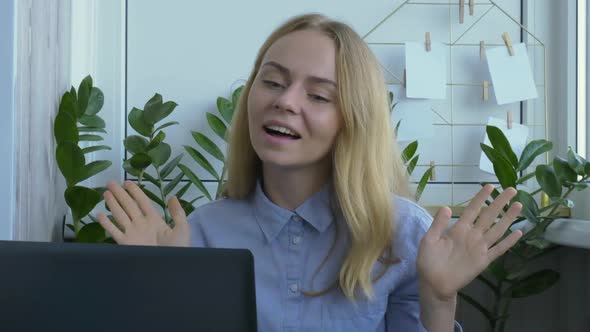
(139, 223)
(448, 261)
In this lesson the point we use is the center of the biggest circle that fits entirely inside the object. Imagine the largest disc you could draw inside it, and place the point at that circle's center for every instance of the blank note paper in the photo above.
(426, 72)
(517, 137)
(511, 75)
(416, 117)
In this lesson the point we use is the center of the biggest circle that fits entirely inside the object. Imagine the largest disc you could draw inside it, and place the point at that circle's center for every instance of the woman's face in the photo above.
(293, 111)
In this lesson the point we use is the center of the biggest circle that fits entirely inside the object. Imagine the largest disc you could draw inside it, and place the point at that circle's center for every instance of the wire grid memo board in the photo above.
(467, 28)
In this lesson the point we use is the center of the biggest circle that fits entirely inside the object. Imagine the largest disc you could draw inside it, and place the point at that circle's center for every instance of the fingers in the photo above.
(176, 211)
(500, 248)
(140, 197)
(496, 232)
(118, 212)
(439, 224)
(115, 233)
(126, 202)
(489, 215)
(474, 208)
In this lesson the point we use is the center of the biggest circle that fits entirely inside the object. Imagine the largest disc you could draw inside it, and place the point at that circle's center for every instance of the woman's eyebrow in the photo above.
(284, 70)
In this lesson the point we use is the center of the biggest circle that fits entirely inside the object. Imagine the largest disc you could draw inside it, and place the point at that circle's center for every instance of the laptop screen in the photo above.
(101, 287)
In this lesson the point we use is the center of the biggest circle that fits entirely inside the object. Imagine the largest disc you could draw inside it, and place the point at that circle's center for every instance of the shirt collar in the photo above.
(316, 211)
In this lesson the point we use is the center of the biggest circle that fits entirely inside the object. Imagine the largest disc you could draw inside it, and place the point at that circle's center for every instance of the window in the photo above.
(583, 139)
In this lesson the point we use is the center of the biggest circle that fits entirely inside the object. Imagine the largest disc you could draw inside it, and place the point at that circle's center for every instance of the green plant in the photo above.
(149, 149)
(410, 157)
(76, 124)
(226, 109)
(510, 276)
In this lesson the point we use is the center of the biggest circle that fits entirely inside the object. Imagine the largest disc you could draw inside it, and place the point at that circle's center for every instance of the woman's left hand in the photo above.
(448, 261)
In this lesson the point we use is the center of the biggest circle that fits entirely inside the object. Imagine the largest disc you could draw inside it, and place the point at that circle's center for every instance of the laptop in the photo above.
(69, 287)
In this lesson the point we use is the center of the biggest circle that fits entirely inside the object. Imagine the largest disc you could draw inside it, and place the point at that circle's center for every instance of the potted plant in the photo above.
(511, 276)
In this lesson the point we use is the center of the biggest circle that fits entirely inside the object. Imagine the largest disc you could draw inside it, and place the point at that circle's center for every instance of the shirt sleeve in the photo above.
(197, 238)
(403, 310)
(403, 306)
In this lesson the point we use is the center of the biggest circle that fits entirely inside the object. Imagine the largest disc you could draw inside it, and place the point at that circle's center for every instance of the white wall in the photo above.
(7, 70)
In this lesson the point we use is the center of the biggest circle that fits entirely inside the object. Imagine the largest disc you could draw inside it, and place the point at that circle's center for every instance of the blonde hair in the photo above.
(367, 165)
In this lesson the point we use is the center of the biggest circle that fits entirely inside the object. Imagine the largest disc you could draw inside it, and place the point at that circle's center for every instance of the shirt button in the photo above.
(294, 288)
(296, 240)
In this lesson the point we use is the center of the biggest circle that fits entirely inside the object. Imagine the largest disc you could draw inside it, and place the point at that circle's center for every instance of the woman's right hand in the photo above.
(139, 223)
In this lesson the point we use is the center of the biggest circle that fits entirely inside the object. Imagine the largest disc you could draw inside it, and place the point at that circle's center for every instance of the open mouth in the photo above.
(278, 131)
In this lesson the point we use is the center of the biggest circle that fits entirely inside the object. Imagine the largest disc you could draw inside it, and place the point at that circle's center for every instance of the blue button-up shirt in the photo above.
(289, 248)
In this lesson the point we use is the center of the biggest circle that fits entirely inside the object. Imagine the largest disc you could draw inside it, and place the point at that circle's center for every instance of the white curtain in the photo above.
(43, 58)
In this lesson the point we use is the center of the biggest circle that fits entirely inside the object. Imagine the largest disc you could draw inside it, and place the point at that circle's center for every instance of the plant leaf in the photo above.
(409, 151)
(155, 110)
(217, 125)
(91, 130)
(172, 184)
(92, 121)
(91, 233)
(165, 125)
(81, 200)
(151, 179)
(95, 102)
(548, 181)
(168, 168)
(156, 140)
(532, 151)
(412, 165)
(208, 145)
(186, 206)
(423, 182)
(65, 129)
(138, 123)
(195, 180)
(95, 148)
(135, 144)
(68, 105)
(534, 283)
(525, 178)
(183, 190)
(160, 154)
(235, 98)
(504, 171)
(153, 197)
(202, 161)
(70, 159)
(501, 145)
(225, 108)
(576, 162)
(90, 138)
(84, 91)
(92, 169)
(130, 169)
(563, 171)
(140, 161)
(530, 209)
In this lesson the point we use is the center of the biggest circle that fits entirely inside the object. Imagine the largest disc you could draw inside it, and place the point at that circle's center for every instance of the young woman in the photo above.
(315, 190)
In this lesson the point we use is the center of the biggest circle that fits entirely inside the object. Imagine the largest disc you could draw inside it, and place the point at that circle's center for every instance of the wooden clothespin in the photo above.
(428, 42)
(461, 11)
(509, 119)
(404, 78)
(482, 50)
(486, 90)
(471, 7)
(432, 174)
(508, 43)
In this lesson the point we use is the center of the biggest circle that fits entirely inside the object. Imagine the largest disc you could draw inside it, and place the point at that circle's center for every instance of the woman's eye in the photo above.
(272, 84)
(319, 98)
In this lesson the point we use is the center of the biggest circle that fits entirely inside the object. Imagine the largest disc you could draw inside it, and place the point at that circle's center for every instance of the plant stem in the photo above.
(536, 192)
(541, 227)
(162, 195)
(220, 183)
